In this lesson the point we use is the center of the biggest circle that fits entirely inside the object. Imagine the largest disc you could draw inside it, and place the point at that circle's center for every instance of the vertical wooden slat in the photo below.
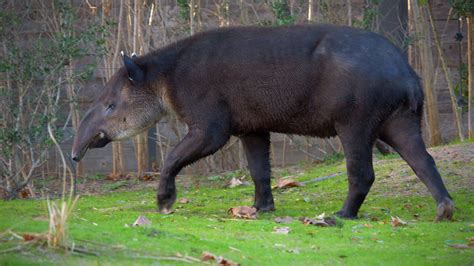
(469, 76)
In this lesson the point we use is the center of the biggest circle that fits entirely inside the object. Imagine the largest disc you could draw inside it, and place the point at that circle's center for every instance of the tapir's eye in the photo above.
(110, 107)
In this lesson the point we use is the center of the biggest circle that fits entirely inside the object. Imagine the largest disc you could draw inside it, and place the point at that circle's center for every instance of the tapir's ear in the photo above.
(135, 73)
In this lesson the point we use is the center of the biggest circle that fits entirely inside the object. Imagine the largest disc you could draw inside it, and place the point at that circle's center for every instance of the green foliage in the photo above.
(463, 7)
(282, 13)
(96, 177)
(7, 19)
(115, 185)
(462, 86)
(37, 71)
(183, 9)
(369, 16)
(422, 2)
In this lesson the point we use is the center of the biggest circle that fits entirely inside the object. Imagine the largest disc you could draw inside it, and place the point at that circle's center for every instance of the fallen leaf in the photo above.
(141, 220)
(146, 177)
(320, 217)
(283, 220)
(319, 220)
(281, 230)
(183, 200)
(471, 241)
(243, 212)
(287, 183)
(29, 237)
(235, 182)
(396, 221)
(25, 193)
(115, 177)
(207, 256)
(112, 177)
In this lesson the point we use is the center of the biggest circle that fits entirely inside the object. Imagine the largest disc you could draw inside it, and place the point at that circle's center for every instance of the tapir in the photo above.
(311, 80)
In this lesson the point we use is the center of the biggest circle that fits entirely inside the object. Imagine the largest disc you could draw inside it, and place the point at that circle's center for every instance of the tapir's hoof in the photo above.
(345, 215)
(166, 211)
(268, 208)
(445, 210)
(165, 202)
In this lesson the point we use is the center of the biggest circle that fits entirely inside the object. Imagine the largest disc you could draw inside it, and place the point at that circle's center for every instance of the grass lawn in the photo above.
(100, 223)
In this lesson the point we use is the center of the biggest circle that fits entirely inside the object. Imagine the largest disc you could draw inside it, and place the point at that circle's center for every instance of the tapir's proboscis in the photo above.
(249, 81)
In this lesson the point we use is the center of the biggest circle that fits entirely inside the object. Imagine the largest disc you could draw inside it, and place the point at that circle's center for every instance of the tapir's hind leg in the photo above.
(257, 151)
(403, 133)
(357, 143)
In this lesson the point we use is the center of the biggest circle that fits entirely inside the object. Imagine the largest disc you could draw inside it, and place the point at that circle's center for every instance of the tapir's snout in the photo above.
(83, 143)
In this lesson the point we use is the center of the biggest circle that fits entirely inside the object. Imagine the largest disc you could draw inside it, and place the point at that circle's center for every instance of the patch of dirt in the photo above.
(455, 164)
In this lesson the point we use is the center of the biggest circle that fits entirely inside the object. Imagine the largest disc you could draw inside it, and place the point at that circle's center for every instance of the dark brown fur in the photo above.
(307, 80)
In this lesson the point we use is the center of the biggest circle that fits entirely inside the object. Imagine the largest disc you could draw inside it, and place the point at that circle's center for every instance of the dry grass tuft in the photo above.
(59, 215)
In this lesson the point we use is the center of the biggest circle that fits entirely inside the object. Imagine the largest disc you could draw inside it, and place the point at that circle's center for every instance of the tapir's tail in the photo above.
(415, 94)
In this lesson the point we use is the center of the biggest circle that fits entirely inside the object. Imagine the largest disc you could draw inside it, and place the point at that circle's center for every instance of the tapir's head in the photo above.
(130, 103)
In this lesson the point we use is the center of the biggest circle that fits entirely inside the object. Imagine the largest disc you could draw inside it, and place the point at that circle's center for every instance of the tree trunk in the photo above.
(310, 10)
(141, 140)
(117, 155)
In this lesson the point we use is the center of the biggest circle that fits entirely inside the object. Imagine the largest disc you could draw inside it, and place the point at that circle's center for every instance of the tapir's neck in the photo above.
(160, 63)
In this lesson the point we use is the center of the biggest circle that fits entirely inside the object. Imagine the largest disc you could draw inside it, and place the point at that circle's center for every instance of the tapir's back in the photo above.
(276, 79)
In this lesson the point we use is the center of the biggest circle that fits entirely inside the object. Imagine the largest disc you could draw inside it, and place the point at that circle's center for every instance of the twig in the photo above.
(84, 251)
(14, 234)
(321, 178)
(164, 258)
(16, 248)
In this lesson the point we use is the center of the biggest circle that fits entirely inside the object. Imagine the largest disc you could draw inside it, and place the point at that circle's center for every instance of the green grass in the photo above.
(99, 224)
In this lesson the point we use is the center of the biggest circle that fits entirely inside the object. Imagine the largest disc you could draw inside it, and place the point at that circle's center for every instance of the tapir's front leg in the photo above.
(195, 145)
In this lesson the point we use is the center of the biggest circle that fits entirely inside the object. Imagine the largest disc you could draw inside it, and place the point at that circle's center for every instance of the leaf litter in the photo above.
(321, 220)
(207, 256)
(397, 222)
(287, 183)
(237, 182)
(141, 220)
(184, 200)
(243, 212)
